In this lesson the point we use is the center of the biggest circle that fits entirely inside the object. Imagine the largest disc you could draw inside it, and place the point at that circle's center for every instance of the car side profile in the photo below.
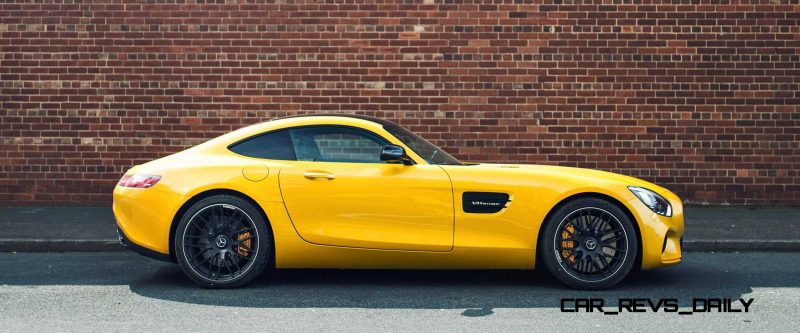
(349, 191)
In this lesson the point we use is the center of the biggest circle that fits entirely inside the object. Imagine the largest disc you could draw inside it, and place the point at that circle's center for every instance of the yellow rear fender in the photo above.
(189, 180)
(200, 196)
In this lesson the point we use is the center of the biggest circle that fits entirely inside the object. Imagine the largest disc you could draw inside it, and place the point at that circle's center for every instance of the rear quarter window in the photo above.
(273, 146)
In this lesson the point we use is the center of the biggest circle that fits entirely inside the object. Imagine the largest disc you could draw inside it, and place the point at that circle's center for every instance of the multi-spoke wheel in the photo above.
(222, 241)
(589, 243)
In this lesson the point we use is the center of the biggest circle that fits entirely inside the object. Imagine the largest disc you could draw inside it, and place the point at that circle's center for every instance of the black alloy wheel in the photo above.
(222, 242)
(589, 244)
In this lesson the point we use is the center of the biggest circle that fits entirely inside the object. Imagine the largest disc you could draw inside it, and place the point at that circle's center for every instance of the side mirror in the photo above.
(395, 154)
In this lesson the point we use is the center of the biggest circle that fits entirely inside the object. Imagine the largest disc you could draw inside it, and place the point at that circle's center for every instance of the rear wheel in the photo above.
(222, 242)
(589, 243)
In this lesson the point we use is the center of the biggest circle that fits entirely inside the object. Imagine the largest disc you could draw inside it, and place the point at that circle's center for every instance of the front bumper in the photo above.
(662, 236)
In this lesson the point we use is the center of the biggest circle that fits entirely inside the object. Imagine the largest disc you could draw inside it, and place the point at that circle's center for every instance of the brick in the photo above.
(700, 98)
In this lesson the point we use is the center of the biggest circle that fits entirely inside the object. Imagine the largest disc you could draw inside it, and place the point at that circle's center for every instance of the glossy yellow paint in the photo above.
(373, 215)
(370, 205)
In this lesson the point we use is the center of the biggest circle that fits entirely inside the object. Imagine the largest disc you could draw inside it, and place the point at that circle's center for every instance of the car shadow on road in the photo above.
(702, 275)
(716, 275)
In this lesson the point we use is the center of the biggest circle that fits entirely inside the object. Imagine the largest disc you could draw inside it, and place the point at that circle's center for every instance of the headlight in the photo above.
(652, 200)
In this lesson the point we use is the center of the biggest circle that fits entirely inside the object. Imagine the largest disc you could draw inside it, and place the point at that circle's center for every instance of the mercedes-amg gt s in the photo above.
(348, 191)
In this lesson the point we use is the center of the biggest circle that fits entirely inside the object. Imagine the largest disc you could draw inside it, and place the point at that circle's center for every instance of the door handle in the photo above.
(315, 175)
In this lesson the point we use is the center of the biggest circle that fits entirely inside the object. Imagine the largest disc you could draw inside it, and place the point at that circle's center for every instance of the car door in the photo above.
(340, 193)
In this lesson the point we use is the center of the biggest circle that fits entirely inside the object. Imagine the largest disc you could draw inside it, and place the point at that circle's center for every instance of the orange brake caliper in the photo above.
(568, 232)
(244, 247)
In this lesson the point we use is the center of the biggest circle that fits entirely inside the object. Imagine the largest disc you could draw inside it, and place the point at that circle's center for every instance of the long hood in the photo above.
(555, 173)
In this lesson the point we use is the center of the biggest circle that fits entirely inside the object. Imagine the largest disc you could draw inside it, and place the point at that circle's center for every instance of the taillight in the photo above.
(138, 181)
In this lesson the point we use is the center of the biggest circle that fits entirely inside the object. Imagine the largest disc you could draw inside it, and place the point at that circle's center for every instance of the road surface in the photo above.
(126, 292)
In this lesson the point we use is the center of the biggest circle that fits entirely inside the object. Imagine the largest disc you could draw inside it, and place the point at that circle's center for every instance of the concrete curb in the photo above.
(99, 245)
(741, 245)
(60, 245)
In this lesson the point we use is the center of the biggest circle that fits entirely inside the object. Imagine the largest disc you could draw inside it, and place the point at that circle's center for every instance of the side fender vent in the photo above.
(484, 202)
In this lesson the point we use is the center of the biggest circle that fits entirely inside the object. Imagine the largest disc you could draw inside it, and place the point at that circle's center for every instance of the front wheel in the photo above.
(589, 243)
(222, 242)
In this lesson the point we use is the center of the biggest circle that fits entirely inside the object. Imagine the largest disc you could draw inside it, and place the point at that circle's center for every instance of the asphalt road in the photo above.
(123, 291)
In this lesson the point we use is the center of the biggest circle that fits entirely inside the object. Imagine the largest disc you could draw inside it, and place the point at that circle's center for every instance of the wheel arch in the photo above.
(209, 193)
(638, 260)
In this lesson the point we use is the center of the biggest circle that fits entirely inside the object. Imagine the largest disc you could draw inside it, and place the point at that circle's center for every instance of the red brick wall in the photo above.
(702, 98)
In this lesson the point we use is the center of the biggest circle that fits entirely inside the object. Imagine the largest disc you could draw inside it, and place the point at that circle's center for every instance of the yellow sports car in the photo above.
(349, 191)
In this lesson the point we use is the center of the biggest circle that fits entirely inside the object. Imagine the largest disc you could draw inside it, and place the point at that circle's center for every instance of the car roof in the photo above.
(346, 115)
(285, 122)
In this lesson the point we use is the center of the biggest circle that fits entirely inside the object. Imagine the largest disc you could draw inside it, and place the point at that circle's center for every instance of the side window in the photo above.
(273, 146)
(336, 144)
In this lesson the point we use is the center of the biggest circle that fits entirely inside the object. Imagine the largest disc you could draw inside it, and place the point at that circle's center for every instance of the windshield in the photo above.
(423, 148)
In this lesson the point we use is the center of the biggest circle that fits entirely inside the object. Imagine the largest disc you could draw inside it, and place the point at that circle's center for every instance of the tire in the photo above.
(223, 241)
(589, 243)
